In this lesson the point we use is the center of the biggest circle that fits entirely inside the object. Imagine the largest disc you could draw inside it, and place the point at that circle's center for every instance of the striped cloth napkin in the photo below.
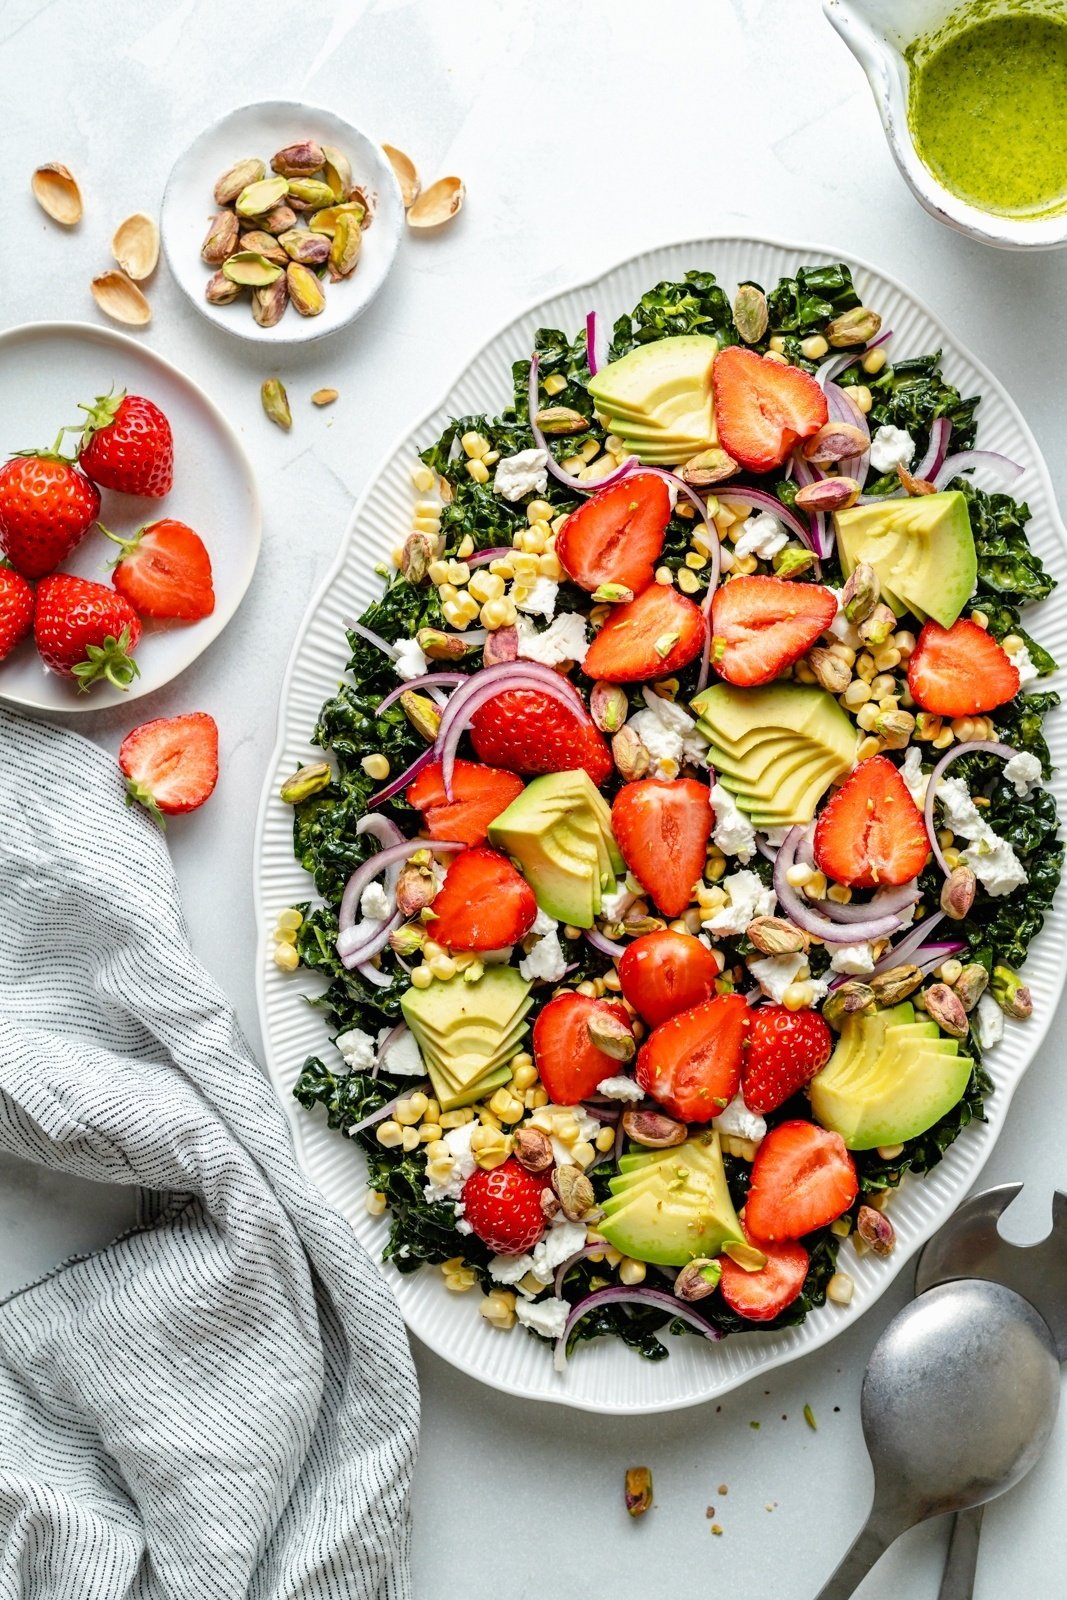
(222, 1403)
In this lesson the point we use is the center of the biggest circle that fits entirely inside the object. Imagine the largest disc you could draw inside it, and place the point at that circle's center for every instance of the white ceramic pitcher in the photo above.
(878, 32)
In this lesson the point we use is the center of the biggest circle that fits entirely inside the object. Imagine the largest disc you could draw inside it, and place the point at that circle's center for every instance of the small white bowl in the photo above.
(261, 130)
(878, 32)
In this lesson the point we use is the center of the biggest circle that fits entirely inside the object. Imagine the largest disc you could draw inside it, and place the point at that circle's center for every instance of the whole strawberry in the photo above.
(46, 507)
(784, 1052)
(86, 631)
(503, 1207)
(127, 445)
(16, 610)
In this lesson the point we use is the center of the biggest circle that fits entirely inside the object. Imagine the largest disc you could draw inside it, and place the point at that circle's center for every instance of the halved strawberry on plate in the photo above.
(785, 1050)
(960, 671)
(525, 731)
(568, 1063)
(480, 794)
(691, 1064)
(762, 407)
(616, 536)
(871, 833)
(656, 634)
(803, 1178)
(662, 829)
(760, 1296)
(483, 903)
(165, 571)
(760, 625)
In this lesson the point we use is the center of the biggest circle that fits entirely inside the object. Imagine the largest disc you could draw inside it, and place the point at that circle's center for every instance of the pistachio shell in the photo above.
(220, 291)
(337, 170)
(56, 192)
(406, 176)
(119, 298)
(135, 246)
(437, 204)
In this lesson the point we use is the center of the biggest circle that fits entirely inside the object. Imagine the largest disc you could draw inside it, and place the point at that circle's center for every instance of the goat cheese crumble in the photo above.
(524, 473)
(541, 600)
(374, 902)
(546, 959)
(991, 858)
(669, 735)
(989, 1022)
(738, 1122)
(357, 1048)
(746, 898)
(403, 1057)
(733, 832)
(774, 974)
(563, 640)
(761, 535)
(547, 1317)
(855, 959)
(1024, 771)
(410, 660)
(891, 447)
(1023, 662)
(458, 1141)
(620, 1088)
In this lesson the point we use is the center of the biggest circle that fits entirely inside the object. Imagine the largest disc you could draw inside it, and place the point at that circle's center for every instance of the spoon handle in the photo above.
(961, 1562)
(872, 1541)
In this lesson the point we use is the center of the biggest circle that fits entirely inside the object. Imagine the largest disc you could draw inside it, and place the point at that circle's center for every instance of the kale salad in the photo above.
(681, 826)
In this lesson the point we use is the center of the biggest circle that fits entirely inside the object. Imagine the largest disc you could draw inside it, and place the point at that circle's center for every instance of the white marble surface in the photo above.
(584, 135)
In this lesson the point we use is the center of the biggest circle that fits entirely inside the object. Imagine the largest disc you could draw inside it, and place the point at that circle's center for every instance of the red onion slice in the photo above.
(607, 947)
(761, 500)
(990, 747)
(929, 956)
(428, 680)
(501, 552)
(386, 1110)
(952, 466)
(554, 468)
(408, 775)
(579, 1255)
(883, 903)
(484, 686)
(592, 359)
(844, 409)
(833, 365)
(368, 970)
(373, 638)
(818, 923)
(677, 1310)
(930, 465)
(903, 949)
(351, 948)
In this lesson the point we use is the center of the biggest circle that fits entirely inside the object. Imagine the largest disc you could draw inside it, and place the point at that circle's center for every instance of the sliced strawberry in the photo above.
(16, 610)
(165, 571)
(762, 407)
(872, 833)
(171, 764)
(760, 1296)
(802, 1179)
(481, 794)
(525, 731)
(960, 671)
(662, 829)
(658, 633)
(503, 1207)
(483, 903)
(761, 625)
(568, 1062)
(616, 536)
(666, 972)
(691, 1064)
(784, 1052)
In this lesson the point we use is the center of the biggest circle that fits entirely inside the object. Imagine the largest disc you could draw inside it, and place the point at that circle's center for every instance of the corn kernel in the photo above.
(887, 658)
(874, 361)
(457, 1118)
(290, 918)
(868, 715)
(815, 888)
(286, 958)
(861, 397)
(943, 739)
(437, 572)
(478, 471)
(953, 859)
(389, 1134)
(376, 766)
(904, 642)
(664, 576)
(458, 1278)
(777, 344)
(950, 970)
(524, 1076)
(688, 581)
(882, 685)
(410, 1110)
(695, 560)
(505, 1105)
(798, 996)
(498, 1307)
(857, 694)
(715, 870)
(566, 1129)
(430, 1133)
(839, 893)
(536, 1098)
(839, 1289)
(868, 747)
(573, 464)
(631, 1272)
(889, 1152)
(605, 1139)
(430, 526)
(422, 478)
(537, 537)
(799, 876)
(548, 566)
(375, 1202)
(458, 573)
(773, 355)
(410, 1140)
(555, 383)
(474, 445)
(583, 1153)
(421, 977)
(813, 347)
(980, 619)
(502, 569)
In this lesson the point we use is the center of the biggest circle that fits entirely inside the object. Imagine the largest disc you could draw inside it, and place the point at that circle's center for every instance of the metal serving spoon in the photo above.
(958, 1402)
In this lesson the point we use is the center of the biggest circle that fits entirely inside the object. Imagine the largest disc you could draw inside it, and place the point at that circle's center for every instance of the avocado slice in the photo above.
(921, 548)
(559, 831)
(777, 748)
(648, 379)
(891, 1077)
(675, 1208)
(467, 1032)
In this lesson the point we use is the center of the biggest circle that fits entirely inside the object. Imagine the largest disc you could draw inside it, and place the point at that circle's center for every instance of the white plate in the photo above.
(261, 130)
(604, 1376)
(46, 370)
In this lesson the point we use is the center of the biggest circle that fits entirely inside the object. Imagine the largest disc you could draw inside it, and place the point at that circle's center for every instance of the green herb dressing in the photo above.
(987, 109)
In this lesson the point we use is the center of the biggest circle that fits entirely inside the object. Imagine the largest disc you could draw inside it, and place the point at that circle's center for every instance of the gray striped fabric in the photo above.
(222, 1403)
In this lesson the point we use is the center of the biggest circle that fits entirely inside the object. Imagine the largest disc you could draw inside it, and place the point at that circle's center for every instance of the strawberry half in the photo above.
(666, 972)
(960, 671)
(86, 631)
(127, 445)
(872, 833)
(616, 536)
(16, 610)
(802, 1179)
(658, 633)
(46, 508)
(762, 407)
(481, 794)
(171, 765)
(483, 903)
(784, 1052)
(165, 571)
(691, 1064)
(503, 1207)
(569, 1064)
(761, 625)
(760, 1296)
(662, 829)
(525, 731)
